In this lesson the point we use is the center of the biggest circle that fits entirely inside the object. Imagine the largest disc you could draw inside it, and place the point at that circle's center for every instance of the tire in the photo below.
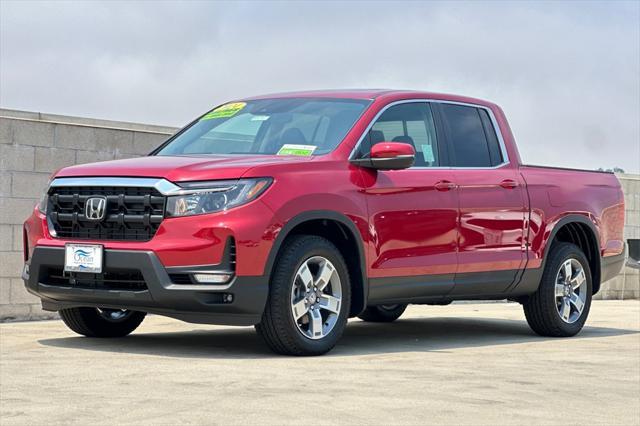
(382, 313)
(546, 308)
(321, 313)
(95, 322)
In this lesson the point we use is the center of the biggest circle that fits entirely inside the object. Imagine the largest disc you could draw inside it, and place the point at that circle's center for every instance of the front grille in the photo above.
(120, 279)
(131, 213)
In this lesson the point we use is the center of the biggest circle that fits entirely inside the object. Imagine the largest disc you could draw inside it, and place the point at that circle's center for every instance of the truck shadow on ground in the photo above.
(360, 338)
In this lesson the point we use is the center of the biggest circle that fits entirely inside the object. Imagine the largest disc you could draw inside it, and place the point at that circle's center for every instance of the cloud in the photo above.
(566, 74)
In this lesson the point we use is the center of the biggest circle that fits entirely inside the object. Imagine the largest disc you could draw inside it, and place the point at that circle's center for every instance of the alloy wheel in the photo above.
(570, 290)
(114, 315)
(316, 297)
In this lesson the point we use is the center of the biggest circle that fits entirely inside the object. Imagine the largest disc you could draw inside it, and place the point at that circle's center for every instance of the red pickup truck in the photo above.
(294, 212)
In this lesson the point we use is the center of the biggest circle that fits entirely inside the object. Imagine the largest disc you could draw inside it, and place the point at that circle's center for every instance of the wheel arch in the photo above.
(582, 232)
(341, 231)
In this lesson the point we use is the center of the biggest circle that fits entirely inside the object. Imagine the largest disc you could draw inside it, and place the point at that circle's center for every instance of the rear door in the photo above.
(413, 212)
(492, 217)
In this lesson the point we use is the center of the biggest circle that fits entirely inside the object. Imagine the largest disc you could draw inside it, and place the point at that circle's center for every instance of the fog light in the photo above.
(212, 278)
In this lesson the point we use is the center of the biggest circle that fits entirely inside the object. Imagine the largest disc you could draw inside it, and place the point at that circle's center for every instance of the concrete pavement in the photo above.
(457, 364)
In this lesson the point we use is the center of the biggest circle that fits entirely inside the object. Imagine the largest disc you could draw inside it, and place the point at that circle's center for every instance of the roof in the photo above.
(370, 94)
(329, 93)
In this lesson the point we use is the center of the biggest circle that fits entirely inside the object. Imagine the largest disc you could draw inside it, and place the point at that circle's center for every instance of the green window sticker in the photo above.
(225, 111)
(427, 153)
(301, 150)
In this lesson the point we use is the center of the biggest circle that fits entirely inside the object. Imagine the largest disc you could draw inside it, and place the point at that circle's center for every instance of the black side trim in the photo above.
(447, 287)
(484, 282)
(411, 289)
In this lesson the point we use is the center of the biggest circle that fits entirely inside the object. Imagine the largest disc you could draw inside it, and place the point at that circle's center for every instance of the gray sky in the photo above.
(566, 74)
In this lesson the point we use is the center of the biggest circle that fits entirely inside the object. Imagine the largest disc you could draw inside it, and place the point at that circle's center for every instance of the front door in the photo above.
(413, 213)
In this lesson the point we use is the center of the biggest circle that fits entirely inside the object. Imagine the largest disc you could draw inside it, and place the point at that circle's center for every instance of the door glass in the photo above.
(410, 123)
(468, 139)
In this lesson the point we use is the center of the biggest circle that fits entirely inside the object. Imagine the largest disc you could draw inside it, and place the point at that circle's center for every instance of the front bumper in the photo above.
(199, 303)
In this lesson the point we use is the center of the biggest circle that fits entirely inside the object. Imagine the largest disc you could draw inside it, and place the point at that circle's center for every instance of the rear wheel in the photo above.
(382, 313)
(561, 305)
(309, 298)
(101, 322)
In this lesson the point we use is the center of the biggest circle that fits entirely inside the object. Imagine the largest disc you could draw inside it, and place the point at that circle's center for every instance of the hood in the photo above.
(179, 168)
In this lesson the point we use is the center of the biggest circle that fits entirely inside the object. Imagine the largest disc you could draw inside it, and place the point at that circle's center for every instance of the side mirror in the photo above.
(389, 156)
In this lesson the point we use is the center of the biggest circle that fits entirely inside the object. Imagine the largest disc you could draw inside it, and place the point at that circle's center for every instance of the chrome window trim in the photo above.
(163, 186)
(494, 122)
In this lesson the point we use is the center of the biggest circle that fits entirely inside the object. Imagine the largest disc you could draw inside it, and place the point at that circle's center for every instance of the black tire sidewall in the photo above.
(89, 322)
(378, 313)
(560, 255)
(300, 249)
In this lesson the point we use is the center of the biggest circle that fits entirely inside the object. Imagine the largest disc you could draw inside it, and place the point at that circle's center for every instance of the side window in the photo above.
(409, 123)
(494, 146)
(467, 136)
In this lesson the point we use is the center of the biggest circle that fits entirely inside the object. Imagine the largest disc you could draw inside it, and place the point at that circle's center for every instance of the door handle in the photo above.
(509, 184)
(445, 185)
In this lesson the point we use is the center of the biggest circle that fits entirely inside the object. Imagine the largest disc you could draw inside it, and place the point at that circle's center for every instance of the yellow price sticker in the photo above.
(225, 111)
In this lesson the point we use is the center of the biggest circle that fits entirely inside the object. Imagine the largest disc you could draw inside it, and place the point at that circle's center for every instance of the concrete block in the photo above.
(27, 132)
(22, 312)
(6, 132)
(616, 283)
(16, 157)
(5, 291)
(5, 184)
(627, 295)
(77, 137)
(144, 143)
(631, 281)
(631, 232)
(6, 238)
(19, 293)
(83, 157)
(14, 211)
(121, 155)
(17, 238)
(29, 185)
(15, 312)
(37, 313)
(607, 295)
(11, 264)
(111, 140)
(51, 159)
(632, 219)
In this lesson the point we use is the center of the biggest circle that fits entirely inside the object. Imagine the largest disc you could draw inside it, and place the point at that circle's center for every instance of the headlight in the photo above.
(214, 196)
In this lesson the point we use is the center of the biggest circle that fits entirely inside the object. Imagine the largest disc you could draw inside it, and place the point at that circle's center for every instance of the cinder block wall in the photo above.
(627, 284)
(33, 145)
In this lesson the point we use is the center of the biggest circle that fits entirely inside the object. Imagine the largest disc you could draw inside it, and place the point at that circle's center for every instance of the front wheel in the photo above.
(101, 322)
(309, 298)
(561, 305)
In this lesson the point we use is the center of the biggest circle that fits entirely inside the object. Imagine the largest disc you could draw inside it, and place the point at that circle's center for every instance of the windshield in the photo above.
(291, 126)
